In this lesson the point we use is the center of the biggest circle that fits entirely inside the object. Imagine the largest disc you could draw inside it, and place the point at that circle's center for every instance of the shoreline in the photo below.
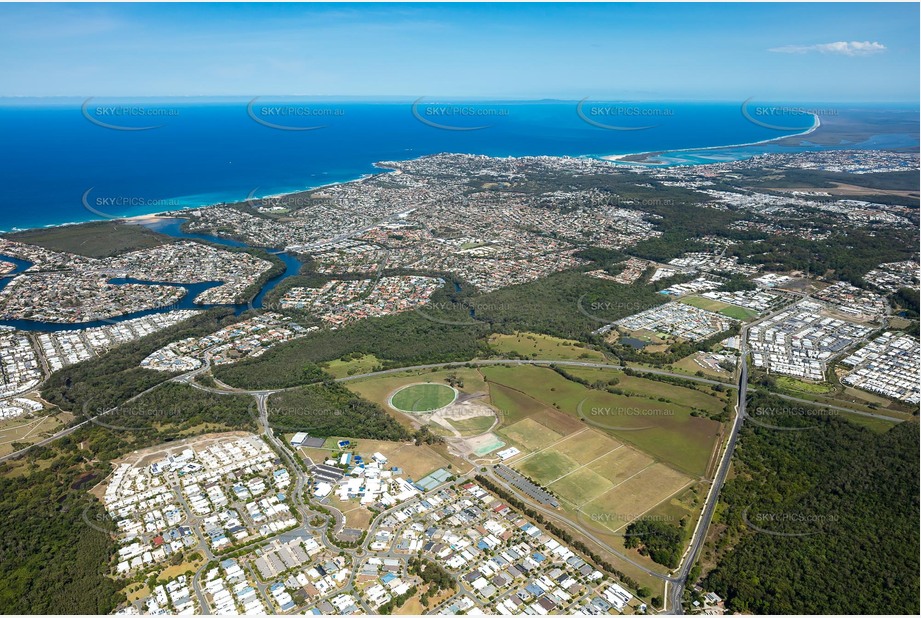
(618, 158)
(165, 214)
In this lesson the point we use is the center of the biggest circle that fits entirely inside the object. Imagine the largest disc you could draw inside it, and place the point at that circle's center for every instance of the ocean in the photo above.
(61, 156)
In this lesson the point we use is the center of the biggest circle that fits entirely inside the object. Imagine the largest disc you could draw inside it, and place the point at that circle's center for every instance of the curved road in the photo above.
(674, 592)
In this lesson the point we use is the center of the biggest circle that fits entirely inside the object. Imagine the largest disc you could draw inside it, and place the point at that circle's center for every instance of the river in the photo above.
(172, 228)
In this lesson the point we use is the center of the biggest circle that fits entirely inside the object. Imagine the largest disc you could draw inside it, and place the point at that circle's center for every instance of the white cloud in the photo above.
(844, 48)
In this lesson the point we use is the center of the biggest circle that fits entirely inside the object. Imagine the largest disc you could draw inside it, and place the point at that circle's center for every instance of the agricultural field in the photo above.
(665, 430)
(533, 345)
(422, 397)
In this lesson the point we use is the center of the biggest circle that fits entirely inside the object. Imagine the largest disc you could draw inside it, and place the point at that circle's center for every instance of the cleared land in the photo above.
(799, 386)
(343, 368)
(690, 366)
(664, 429)
(422, 397)
(587, 446)
(29, 430)
(533, 345)
(530, 434)
(635, 496)
(472, 426)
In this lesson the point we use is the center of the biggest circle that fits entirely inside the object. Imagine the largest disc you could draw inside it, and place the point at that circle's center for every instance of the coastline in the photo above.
(619, 158)
(171, 213)
(616, 159)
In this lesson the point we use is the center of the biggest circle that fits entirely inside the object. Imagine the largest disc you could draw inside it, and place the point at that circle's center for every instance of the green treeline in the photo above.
(54, 553)
(660, 540)
(452, 328)
(330, 409)
(822, 519)
(105, 381)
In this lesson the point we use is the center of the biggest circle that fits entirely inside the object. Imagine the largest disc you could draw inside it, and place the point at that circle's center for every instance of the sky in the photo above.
(843, 52)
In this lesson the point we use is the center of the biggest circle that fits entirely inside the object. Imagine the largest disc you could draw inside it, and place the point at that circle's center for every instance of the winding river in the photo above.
(169, 227)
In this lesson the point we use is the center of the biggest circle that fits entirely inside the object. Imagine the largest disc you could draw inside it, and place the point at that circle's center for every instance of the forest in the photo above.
(821, 519)
(453, 329)
(660, 540)
(53, 552)
(110, 379)
(330, 409)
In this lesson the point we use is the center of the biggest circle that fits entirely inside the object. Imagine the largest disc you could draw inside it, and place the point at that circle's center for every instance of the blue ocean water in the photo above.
(58, 157)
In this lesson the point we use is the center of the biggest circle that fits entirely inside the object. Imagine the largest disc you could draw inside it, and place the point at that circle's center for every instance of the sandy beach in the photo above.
(619, 158)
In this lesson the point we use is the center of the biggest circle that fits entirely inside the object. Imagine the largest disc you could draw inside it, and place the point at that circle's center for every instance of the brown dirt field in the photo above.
(638, 494)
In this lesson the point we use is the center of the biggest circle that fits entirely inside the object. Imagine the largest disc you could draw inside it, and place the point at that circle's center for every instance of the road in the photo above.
(556, 515)
(676, 590)
(675, 583)
(515, 361)
(261, 395)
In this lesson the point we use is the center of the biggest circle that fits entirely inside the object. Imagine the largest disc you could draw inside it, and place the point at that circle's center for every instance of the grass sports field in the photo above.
(666, 430)
(422, 397)
(732, 311)
(605, 484)
(379, 388)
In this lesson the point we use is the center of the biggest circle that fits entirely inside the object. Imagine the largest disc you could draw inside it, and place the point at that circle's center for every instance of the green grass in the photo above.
(379, 388)
(547, 466)
(533, 345)
(340, 369)
(877, 425)
(665, 430)
(422, 397)
(472, 426)
(792, 384)
(581, 486)
(739, 313)
(512, 405)
(530, 435)
(707, 304)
